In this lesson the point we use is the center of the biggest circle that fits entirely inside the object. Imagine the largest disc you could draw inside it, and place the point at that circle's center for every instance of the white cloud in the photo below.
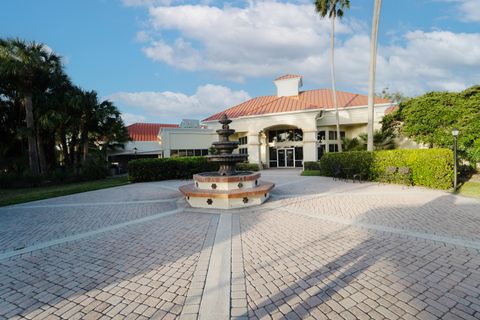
(171, 106)
(267, 39)
(240, 42)
(470, 10)
(130, 118)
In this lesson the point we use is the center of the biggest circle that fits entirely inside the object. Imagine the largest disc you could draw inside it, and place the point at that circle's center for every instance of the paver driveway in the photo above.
(319, 249)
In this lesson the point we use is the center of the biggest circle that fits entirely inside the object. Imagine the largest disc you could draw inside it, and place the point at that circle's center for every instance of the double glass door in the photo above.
(286, 158)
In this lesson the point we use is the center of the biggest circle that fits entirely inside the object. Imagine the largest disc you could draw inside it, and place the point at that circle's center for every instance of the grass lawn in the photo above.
(470, 189)
(308, 173)
(14, 196)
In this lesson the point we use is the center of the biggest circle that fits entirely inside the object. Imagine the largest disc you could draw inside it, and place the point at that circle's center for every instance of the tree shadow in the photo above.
(389, 275)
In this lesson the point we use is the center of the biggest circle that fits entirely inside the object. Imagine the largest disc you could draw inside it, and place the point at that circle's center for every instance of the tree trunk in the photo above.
(334, 89)
(63, 142)
(41, 153)
(32, 141)
(372, 70)
(84, 138)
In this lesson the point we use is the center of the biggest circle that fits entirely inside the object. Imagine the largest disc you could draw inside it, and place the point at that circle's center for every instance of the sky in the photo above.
(166, 60)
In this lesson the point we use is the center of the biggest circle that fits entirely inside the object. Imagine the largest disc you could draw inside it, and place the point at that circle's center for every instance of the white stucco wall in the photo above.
(187, 138)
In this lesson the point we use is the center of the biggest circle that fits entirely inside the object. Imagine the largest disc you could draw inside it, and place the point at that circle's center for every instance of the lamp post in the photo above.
(455, 135)
(135, 151)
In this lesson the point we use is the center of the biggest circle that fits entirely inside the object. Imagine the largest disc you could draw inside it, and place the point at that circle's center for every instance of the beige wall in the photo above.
(353, 120)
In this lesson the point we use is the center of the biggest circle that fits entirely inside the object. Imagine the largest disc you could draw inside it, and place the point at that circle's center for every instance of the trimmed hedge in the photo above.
(168, 168)
(311, 165)
(175, 168)
(431, 168)
(248, 167)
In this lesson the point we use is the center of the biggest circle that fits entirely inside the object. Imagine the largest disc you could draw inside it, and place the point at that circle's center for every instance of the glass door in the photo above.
(290, 158)
(281, 158)
(286, 158)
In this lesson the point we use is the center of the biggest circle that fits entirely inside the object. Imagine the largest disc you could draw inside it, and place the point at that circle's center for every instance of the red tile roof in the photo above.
(306, 100)
(288, 76)
(147, 131)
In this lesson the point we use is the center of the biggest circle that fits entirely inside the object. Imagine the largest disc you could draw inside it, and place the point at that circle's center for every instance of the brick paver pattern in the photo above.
(319, 249)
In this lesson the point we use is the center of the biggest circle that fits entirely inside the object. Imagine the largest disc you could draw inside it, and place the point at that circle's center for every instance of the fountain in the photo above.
(227, 188)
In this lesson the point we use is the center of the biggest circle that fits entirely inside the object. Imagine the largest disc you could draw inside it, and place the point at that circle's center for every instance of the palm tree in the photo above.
(373, 62)
(333, 8)
(28, 67)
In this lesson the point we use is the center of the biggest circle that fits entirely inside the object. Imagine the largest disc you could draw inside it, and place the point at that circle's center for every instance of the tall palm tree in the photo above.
(333, 8)
(373, 62)
(28, 66)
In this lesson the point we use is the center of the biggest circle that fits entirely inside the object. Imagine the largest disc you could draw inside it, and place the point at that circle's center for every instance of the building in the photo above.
(155, 140)
(276, 131)
(293, 126)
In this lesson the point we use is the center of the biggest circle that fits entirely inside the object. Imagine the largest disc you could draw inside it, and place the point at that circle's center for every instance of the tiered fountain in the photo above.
(227, 188)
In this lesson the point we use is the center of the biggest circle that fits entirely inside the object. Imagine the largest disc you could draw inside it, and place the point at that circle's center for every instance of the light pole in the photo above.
(135, 151)
(455, 135)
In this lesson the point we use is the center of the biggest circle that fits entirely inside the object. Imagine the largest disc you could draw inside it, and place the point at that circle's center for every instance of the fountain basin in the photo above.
(226, 198)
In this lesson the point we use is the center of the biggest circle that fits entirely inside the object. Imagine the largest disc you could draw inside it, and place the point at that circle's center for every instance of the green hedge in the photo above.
(311, 165)
(248, 167)
(431, 168)
(168, 168)
(175, 168)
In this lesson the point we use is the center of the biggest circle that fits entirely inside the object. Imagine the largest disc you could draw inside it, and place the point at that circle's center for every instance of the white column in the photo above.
(309, 145)
(253, 146)
(166, 153)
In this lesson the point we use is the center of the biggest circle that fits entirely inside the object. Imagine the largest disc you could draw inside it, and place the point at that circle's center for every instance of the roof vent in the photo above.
(288, 85)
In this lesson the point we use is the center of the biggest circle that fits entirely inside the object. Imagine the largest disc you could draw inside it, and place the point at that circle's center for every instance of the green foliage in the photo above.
(247, 167)
(168, 168)
(430, 119)
(349, 163)
(24, 180)
(311, 165)
(94, 168)
(65, 122)
(431, 168)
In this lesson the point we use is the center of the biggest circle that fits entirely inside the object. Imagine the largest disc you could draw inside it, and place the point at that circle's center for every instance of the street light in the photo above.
(135, 151)
(455, 135)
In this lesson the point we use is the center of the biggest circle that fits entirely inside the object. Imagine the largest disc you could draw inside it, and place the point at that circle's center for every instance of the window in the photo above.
(298, 157)
(321, 135)
(285, 135)
(242, 140)
(188, 152)
(320, 151)
(243, 150)
(332, 135)
(272, 157)
(332, 147)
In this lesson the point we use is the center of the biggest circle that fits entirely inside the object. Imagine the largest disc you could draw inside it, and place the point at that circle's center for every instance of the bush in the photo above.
(14, 180)
(168, 168)
(95, 168)
(248, 167)
(355, 161)
(311, 165)
(431, 168)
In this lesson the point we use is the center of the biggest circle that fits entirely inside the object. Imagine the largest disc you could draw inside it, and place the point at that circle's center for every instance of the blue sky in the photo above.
(161, 60)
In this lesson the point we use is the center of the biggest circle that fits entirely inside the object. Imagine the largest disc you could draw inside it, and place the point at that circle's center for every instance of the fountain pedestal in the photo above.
(227, 188)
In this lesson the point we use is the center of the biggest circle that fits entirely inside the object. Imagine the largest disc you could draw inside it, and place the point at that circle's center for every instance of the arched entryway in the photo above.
(284, 146)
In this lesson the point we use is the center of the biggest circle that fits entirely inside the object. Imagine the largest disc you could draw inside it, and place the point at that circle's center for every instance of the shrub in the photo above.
(168, 168)
(311, 165)
(15, 180)
(355, 161)
(248, 167)
(94, 168)
(431, 168)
